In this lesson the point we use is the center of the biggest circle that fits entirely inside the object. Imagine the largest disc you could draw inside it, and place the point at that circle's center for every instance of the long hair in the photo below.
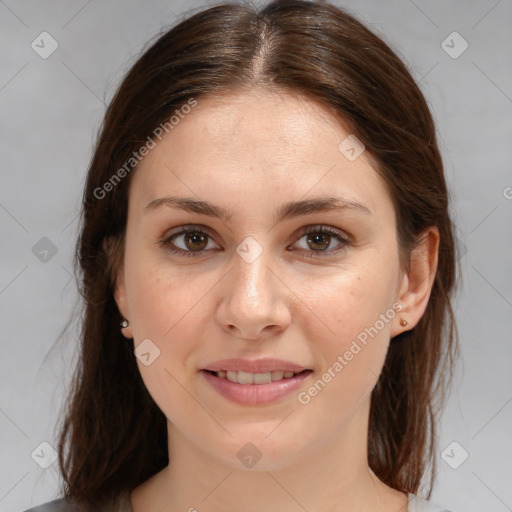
(113, 436)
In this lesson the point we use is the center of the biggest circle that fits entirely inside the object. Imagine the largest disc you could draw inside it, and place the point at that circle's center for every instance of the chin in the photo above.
(256, 452)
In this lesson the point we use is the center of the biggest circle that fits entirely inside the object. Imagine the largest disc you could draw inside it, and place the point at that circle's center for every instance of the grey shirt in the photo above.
(123, 505)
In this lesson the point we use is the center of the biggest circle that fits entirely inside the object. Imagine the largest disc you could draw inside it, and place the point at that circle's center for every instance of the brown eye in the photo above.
(189, 241)
(322, 241)
(319, 241)
(196, 241)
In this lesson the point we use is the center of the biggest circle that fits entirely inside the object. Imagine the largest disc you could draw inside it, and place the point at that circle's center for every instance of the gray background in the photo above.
(51, 110)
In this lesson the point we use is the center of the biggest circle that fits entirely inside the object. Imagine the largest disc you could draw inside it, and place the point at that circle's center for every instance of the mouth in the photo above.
(246, 378)
(255, 381)
(251, 389)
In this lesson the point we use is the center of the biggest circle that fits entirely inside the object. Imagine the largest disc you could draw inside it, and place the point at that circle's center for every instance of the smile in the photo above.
(255, 378)
(248, 388)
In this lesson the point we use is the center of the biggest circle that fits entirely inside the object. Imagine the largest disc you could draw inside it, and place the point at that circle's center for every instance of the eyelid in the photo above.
(343, 238)
(183, 230)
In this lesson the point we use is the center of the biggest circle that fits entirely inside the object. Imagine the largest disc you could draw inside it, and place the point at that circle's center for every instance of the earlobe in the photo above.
(417, 282)
(122, 303)
(116, 266)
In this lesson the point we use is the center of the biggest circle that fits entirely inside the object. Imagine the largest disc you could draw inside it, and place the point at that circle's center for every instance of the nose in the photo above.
(254, 303)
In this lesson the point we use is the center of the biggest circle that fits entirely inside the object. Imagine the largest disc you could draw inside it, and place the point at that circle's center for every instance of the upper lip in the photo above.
(254, 366)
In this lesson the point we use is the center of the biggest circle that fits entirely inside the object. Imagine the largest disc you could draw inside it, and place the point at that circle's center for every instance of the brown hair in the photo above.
(113, 436)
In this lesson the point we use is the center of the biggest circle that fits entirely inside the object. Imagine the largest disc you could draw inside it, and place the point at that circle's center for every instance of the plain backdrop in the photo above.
(51, 108)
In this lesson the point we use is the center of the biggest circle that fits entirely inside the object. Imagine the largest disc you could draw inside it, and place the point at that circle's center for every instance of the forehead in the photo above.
(253, 143)
(278, 120)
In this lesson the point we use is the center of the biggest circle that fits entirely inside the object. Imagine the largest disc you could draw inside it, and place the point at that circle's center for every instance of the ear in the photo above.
(417, 280)
(113, 251)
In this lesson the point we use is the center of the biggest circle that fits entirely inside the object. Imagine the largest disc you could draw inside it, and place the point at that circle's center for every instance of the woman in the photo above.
(267, 262)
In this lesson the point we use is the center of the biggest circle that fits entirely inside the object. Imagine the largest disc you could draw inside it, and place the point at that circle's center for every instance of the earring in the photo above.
(403, 322)
(124, 323)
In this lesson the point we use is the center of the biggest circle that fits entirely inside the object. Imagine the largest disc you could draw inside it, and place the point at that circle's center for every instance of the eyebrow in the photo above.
(286, 211)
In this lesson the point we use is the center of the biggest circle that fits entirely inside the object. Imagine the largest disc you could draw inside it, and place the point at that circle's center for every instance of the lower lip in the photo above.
(255, 394)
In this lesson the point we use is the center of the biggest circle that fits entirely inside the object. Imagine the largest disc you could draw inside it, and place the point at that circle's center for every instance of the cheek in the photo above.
(152, 305)
(164, 310)
(358, 312)
(353, 301)
(356, 309)
(170, 308)
(159, 297)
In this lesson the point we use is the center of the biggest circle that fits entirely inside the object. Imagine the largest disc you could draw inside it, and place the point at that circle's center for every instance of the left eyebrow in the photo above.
(286, 211)
(321, 204)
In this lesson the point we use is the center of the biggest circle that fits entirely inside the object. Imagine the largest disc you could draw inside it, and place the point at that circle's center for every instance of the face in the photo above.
(266, 279)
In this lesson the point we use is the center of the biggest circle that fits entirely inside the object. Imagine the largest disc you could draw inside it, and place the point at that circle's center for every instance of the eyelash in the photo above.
(317, 229)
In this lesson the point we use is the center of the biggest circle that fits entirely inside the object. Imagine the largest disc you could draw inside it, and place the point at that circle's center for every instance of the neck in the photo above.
(334, 477)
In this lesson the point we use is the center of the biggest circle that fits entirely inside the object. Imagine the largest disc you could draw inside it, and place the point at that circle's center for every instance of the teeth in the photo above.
(245, 378)
(277, 375)
(254, 378)
(262, 378)
(232, 376)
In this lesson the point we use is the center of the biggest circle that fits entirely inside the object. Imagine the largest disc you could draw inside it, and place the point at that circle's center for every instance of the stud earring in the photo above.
(124, 324)
(403, 322)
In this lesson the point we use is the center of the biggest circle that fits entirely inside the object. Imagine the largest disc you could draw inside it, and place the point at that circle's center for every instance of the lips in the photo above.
(254, 366)
(255, 382)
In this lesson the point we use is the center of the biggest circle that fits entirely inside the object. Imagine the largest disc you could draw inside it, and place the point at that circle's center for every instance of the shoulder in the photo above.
(417, 504)
(120, 504)
(60, 505)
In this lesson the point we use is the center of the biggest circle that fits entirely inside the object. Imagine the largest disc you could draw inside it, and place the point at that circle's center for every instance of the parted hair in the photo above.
(112, 435)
